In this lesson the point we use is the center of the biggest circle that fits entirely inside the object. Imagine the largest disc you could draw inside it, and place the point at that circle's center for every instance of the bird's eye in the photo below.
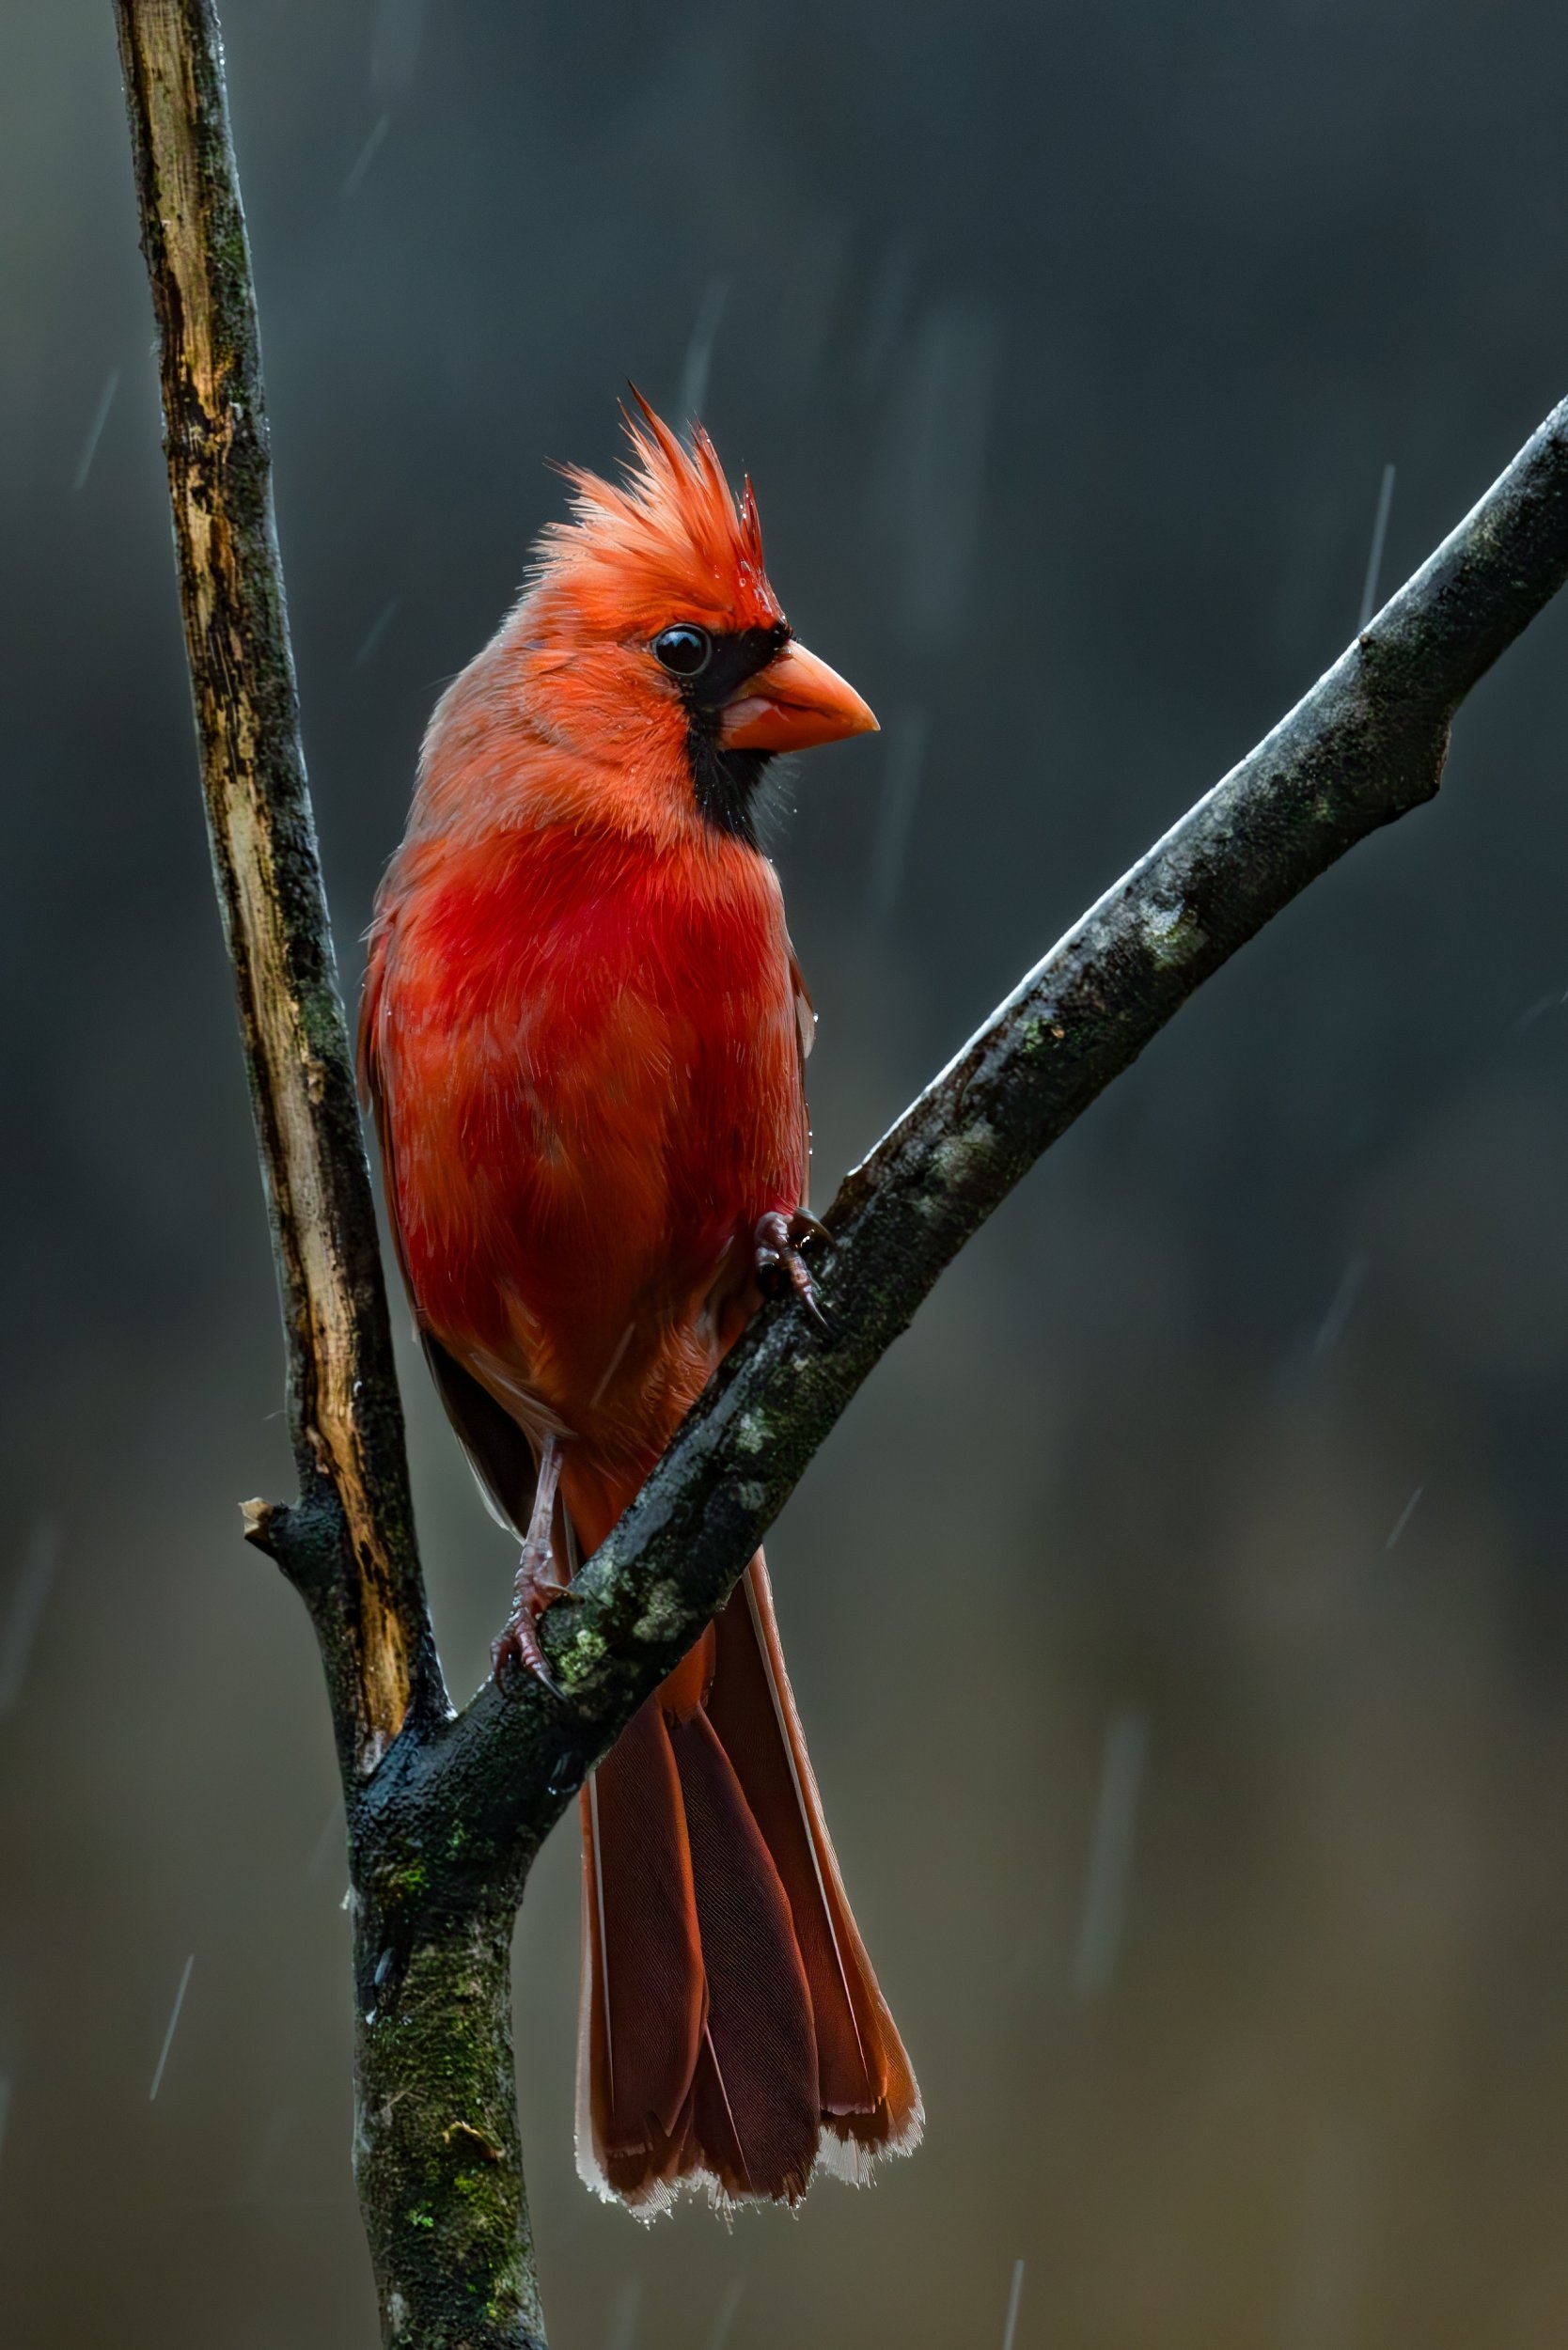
(683, 650)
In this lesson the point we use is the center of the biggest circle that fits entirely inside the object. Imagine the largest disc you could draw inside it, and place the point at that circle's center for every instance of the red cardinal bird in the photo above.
(584, 1034)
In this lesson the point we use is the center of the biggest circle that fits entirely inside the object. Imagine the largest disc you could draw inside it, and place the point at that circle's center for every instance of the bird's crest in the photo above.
(667, 541)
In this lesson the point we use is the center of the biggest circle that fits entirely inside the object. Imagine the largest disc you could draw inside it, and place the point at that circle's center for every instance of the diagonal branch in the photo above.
(1366, 745)
(349, 1543)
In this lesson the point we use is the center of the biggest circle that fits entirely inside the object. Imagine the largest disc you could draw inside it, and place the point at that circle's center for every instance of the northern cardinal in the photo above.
(583, 1035)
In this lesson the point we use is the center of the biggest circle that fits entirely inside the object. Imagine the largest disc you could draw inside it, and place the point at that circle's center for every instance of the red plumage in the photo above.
(583, 1035)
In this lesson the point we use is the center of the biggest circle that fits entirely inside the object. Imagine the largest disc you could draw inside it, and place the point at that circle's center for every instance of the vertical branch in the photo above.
(437, 2159)
(349, 1543)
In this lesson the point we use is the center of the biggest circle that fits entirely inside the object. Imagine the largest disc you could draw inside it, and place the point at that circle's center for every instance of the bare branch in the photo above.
(348, 1545)
(1365, 747)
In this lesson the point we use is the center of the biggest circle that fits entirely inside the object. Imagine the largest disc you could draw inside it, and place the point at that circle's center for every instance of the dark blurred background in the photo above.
(1181, 1617)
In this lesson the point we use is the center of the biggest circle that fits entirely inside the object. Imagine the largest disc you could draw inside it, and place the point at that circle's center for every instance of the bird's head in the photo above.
(651, 650)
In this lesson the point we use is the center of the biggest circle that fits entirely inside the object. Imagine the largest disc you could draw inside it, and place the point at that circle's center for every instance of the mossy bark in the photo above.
(437, 2155)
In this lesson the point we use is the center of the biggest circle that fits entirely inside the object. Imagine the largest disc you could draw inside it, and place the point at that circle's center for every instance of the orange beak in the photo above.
(794, 703)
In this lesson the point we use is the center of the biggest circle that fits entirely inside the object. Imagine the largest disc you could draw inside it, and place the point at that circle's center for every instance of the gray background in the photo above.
(1212, 1849)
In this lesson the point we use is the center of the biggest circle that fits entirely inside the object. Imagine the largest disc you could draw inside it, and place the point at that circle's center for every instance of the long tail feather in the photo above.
(760, 2046)
(868, 2092)
(732, 2031)
(644, 2021)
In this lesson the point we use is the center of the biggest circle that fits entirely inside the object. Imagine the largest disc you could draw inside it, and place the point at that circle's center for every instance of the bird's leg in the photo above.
(782, 1246)
(539, 1580)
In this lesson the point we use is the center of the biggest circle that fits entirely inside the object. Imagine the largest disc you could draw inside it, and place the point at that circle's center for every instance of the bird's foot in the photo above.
(539, 1585)
(782, 1245)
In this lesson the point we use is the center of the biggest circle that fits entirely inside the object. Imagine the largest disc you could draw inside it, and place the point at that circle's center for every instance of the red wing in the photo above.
(498, 1452)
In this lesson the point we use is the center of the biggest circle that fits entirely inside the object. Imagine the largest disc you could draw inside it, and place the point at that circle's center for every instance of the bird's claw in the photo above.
(782, 1246)
(517, 1644)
